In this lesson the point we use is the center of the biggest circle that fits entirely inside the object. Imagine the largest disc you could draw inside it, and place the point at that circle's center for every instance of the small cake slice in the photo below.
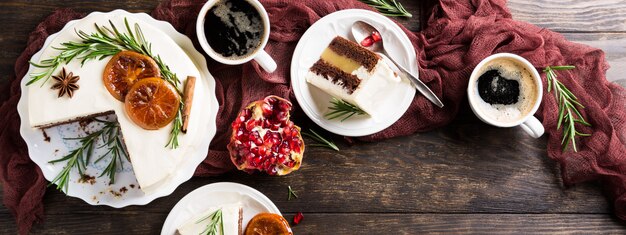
(232, 216)
(350, 72)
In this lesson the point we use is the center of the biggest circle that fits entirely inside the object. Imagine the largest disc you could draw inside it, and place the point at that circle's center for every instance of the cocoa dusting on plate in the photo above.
(115, 193)
(45, 136)
(85, 178)
(123, 190)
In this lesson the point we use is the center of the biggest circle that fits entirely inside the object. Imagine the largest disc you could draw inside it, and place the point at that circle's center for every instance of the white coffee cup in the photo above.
(528, 122)
(259, 55)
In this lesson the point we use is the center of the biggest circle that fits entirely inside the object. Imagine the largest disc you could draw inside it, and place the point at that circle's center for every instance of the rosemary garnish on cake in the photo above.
(341, 108)
(215, 220)
(80, 157)
(568, 107)
(106, 42)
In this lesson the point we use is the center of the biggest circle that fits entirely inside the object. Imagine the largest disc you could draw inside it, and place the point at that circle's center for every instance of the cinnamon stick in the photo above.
(187, 101)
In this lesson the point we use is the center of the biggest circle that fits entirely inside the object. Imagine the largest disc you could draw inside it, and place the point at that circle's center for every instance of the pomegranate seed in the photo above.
(376, 36)
(287, 132)
(281, 158)
(295, 145)
(250, 124)
(267, 124)
(267, 109)
(298, 218)
(261, 150)
(256, 161)
(285, 106)
(247, 144)
(271, 171)
(368, 41)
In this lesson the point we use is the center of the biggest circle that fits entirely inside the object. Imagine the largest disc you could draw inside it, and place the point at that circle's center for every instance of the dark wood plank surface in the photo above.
(467, 177)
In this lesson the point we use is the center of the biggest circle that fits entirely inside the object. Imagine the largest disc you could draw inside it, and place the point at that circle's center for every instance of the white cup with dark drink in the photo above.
(505, 90)
(235, 32)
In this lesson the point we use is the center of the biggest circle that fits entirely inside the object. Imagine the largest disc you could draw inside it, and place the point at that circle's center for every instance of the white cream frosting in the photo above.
(230, 217)
(153, 163)
(374, 86)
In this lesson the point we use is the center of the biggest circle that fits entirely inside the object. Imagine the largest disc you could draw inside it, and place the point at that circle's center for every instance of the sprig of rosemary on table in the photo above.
(291, 194)
(107, 42)
(215, 220)
(568, 107)
(80, 157)
(388, 7)
(323, 142)
(342, 108)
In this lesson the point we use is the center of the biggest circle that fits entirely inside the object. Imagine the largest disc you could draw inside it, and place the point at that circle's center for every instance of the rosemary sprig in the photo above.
(342, 108)
(215, 220)
(291, 194)
(323, 142)
(107, 42)
(568, 107)
(388, 7)
(80, 157)
(113, 141)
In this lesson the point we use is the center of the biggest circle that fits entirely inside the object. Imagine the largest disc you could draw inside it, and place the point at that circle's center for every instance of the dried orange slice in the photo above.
(152, 103)
(124, 69)
(268, 223)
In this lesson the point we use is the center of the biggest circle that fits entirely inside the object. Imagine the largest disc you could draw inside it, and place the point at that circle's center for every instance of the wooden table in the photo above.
(466, 177)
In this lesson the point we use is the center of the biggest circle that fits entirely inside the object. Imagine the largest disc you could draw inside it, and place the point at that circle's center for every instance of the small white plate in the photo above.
(216, 194)
(315, 102)
(125, 191)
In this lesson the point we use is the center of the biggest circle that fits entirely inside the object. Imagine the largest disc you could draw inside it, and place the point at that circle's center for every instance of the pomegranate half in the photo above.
(264, 138)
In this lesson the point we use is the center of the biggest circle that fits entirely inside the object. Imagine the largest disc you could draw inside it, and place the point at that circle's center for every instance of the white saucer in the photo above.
(216, 194)
(315, 102)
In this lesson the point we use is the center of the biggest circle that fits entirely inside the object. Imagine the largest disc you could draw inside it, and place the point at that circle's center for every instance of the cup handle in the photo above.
(533, 127)
(265, 61)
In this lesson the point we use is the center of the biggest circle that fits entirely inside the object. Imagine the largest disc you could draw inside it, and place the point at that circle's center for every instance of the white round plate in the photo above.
(216, 194)
(125, 191)
(315, 102)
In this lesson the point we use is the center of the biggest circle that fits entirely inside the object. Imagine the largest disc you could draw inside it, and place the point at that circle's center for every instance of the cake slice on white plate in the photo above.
(232, 217)
(352, 73)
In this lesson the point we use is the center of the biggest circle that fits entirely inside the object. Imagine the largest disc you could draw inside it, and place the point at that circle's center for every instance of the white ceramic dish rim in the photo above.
(182, 174)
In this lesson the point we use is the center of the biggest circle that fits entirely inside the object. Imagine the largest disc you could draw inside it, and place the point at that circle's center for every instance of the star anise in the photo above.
(65, 83)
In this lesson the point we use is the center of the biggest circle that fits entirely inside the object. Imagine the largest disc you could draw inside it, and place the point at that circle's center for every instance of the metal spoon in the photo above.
(361, 30)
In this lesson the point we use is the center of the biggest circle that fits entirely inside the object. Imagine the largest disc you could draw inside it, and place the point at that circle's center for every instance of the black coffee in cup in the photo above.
(233, 28)
(507, 90)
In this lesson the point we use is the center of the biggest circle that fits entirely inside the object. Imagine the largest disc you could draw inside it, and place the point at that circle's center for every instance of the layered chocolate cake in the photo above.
(350, 72)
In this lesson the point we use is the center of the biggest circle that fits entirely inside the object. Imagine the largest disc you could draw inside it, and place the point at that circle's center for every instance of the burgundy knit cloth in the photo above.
(459, 34)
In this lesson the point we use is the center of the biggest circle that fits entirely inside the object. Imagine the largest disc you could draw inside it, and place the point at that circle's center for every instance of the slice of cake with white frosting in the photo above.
(231, 218)
(352, 73)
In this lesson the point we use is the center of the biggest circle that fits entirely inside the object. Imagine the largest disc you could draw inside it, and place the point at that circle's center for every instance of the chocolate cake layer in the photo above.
(347, 48)
(336, 76)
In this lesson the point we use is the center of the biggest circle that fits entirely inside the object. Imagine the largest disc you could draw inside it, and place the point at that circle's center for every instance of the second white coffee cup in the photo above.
(259, 55)
(527, 121)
